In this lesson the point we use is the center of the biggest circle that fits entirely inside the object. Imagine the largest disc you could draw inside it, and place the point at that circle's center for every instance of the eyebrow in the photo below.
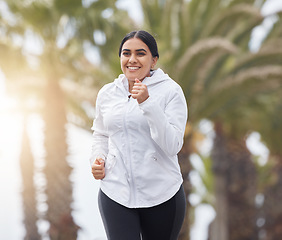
(137, 50)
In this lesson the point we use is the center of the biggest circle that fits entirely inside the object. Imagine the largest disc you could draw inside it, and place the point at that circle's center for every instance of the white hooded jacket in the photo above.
(140, 142)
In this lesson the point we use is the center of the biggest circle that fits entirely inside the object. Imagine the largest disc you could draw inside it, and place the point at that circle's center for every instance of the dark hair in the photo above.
(145, 37)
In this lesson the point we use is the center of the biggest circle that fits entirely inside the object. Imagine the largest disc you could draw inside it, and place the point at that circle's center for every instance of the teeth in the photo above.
(133, 68)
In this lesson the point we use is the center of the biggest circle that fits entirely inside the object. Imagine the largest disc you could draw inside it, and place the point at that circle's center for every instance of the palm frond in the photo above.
(192, 60)
(256, 73)
(223, 23)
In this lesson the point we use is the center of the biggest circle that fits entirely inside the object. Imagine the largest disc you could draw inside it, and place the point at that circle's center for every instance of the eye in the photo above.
(140, 54)
(126, 53)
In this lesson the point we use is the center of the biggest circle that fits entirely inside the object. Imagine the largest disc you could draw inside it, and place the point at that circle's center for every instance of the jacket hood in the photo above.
(158, 76)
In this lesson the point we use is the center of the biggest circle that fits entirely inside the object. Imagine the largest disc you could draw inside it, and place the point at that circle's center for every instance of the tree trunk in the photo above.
(272, 204)
(219, 227)
(241, 193)
(236, 179)
(29, 192)
(185, 165)
(57, 170)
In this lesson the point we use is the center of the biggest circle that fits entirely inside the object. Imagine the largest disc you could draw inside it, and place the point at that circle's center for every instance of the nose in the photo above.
(132, 58)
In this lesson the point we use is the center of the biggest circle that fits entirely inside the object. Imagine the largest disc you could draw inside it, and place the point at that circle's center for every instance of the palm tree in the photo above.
(269, 126)
(204, 45)
(29, 193)
(13, 59)
(62, 27)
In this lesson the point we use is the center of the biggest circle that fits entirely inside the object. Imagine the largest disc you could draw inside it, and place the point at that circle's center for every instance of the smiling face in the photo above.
(136, 59)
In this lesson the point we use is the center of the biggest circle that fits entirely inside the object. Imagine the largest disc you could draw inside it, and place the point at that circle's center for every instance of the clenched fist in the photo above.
(98, 169)
(139, 91)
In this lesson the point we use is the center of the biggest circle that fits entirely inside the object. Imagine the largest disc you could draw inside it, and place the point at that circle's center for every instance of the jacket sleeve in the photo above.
(167, 126)
(100, 135)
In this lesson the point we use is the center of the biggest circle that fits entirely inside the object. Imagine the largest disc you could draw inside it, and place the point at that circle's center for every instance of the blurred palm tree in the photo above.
(63, 29)
(29, 194)
(269, 125)
(204, 45)
(257, 75)
(13, 64)
(272, 211)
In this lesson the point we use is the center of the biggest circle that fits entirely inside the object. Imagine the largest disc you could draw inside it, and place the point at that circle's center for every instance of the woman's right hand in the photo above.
(98, 169)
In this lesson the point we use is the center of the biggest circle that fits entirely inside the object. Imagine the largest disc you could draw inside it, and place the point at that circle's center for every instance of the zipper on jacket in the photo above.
(131, 183)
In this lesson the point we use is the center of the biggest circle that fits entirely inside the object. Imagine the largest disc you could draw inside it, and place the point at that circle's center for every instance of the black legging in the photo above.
(162, 222)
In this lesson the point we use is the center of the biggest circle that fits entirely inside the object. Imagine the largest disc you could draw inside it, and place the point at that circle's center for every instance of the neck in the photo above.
(130, 85)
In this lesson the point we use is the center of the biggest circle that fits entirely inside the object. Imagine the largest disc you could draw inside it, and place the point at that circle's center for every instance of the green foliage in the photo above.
(204, 47)
(269, 121)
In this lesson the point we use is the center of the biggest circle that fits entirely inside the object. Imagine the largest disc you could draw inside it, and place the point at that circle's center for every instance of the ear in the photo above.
(154, 62)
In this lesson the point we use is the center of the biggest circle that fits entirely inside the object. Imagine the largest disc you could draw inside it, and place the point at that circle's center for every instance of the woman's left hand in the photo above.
(139, 91)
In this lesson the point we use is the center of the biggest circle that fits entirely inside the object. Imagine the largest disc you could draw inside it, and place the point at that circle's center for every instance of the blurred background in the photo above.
(56, 54)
